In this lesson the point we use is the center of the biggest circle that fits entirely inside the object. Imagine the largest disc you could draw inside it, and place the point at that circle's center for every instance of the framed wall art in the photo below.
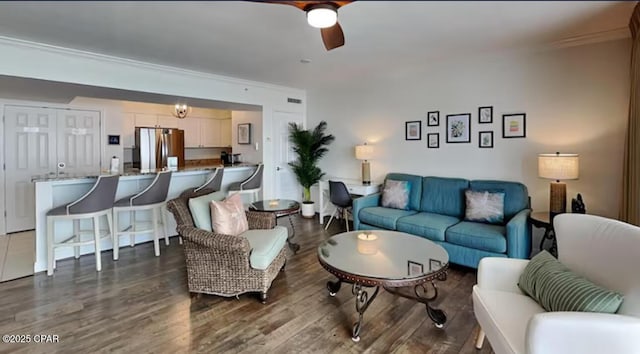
(413, 130)
(433, 119)
(459, 128)
(433, 140)
(514, 125)
(485, 114)
(244, 133)
(485, 139)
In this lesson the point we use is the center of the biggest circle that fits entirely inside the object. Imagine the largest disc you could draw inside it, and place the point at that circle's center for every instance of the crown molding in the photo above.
(595, 37)
(139, 64)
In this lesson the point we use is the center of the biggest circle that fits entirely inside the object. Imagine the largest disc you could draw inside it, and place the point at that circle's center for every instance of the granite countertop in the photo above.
(134, 172)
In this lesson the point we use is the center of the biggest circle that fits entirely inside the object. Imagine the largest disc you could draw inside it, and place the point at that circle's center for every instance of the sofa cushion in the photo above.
(556, 288)
(504, 317)
(479, 236)
(416, 187)
(383, 217)
(516, 196)
(484, 206)
(444, 196)
(396, 194)
(265, 244)
(200, 210)
(429, 225)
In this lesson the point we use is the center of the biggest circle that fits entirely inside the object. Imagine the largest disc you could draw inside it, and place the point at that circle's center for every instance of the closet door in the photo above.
(30, 150)
(78, 142)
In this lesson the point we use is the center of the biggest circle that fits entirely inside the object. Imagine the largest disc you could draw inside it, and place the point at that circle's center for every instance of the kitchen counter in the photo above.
(138, 172)
(60, 190)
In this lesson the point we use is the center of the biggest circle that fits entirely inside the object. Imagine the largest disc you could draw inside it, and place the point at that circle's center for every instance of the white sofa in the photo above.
(605, 251)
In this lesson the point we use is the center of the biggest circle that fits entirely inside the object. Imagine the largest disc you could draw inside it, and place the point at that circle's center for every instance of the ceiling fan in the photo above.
(323, 15)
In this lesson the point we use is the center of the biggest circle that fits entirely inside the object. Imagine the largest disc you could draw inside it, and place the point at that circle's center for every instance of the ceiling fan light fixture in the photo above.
(322, 15)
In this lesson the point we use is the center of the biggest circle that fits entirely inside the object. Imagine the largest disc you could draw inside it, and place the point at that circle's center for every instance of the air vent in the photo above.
(294, 100)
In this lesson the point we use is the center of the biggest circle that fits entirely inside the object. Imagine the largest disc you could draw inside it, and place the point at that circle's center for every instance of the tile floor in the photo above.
(17, 255)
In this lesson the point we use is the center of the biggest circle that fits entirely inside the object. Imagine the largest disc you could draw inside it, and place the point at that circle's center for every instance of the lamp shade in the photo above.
(558, 166)
(364, 152)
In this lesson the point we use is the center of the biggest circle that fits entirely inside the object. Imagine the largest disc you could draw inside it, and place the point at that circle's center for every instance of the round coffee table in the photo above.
(280, 207)
(403, 264)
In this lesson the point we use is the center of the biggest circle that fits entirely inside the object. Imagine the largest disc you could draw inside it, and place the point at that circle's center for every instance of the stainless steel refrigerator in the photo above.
(155, 145)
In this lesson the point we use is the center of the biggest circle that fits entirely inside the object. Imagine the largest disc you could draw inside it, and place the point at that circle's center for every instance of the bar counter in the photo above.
(53, 191)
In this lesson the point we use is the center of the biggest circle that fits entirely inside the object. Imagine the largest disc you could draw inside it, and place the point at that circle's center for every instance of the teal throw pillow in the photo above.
(201, 211)
(556, 288)
(396, 194)
(484, 206)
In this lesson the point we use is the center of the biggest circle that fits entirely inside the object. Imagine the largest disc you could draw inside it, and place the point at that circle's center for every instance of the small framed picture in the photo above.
(514, 125)
(485, 114)
(433, 140)
(244, 133)
(413, 130)
(485, 139)
(414, 268)
(114, 139)
(459, 128)
(433, 119)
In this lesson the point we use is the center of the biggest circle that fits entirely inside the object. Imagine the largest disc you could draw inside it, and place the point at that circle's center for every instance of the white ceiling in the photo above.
(265, 42)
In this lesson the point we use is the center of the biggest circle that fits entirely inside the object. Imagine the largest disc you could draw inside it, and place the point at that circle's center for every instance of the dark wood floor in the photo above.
(141, 304)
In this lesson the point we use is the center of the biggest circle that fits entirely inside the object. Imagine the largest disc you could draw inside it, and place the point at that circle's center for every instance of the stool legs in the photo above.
(132, 236)
(96, 238)
(76, 232)
(331, 219)
(115, 236)
(50, 249)
(156, 229)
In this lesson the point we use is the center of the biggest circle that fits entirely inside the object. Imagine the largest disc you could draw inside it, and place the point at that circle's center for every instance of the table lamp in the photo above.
(365, 152)
(558, 167)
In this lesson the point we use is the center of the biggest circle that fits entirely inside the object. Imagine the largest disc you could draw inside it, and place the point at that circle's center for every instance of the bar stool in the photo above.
(153, 199)
(97, 202)
(212, 184)
(251, 185)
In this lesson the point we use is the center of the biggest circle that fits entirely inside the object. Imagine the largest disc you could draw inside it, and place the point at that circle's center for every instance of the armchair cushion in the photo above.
(200, 211)
(228, 216)
(265, 245)
(556, 288)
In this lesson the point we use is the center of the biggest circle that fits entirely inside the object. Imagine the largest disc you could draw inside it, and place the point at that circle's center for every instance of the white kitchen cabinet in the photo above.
(191, 127)
(210, 132)
(225, 132)
(167, 121)
(128, 130)
(155, 120)
(205, 132)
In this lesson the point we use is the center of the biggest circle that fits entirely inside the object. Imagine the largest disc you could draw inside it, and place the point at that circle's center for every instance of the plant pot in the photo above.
(308, 210)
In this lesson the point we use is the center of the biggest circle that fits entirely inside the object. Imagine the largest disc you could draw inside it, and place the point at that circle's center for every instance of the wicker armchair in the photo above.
(218, 264)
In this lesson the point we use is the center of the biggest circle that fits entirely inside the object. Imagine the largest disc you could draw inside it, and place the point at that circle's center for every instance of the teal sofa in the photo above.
(436, 212)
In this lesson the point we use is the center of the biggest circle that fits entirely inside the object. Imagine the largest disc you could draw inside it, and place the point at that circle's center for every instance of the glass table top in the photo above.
(388, 255)
(275, 205)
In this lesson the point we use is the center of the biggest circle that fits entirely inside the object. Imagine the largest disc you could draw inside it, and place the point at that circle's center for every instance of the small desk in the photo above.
(542, 220)
(354, 186)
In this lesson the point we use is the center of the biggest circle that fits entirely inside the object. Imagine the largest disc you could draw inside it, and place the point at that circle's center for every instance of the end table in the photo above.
(543, 220)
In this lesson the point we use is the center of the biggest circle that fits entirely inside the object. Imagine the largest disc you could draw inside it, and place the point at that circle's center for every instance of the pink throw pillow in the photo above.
(228, 216)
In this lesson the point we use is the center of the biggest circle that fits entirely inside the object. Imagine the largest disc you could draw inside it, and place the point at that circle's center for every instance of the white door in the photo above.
(286, 184)
(30, 149)
(78, 142)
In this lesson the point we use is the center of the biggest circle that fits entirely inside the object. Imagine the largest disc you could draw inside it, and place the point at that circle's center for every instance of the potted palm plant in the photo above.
(310, 146)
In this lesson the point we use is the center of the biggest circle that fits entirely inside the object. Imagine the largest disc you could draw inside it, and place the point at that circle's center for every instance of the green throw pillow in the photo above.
(556, 288)
(200, 210)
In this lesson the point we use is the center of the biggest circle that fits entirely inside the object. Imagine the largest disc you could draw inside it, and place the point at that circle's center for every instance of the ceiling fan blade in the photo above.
(332, 37)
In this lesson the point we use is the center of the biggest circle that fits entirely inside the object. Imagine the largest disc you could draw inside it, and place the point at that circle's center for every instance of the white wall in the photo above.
(576, 100)
(249, 152)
